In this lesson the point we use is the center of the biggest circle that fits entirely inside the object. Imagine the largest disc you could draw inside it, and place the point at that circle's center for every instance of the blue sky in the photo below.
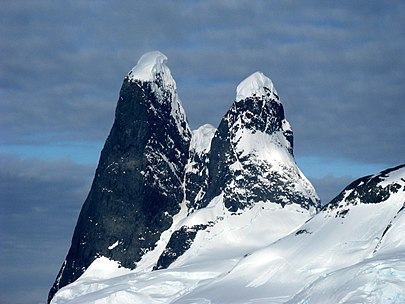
(338, 67)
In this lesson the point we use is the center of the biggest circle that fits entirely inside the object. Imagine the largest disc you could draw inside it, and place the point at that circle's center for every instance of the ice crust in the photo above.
(201, 139)
(256, 84)
(150, 65)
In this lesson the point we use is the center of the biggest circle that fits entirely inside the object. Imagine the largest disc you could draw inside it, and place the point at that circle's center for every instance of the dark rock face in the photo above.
(365, 190)
(196, 184)
(138, 185)
(255, 114)
(179, 243)
(196, 179)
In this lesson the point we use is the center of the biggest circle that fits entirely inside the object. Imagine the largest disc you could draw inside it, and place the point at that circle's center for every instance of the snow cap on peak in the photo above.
(201, 139)
(256, 84)
(149, 65)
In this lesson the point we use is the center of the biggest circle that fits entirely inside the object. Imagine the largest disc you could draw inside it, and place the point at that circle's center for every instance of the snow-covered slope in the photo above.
(230, 240)
(356, 256)
(380, 277)
(351, 252)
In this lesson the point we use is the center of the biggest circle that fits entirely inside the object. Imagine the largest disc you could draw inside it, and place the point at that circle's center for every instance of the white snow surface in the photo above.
(329, 259)
(379, 278)
(113, 245)
(149, 65)
(256, 84)
(233, 236)
(201, 139)
(269, 254)
(272, 150)
(214, 252)
(392, 177)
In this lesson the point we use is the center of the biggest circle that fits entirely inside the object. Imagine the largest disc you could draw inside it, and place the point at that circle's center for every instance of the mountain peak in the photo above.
(149, 66)
(138, 187)
(256, 84)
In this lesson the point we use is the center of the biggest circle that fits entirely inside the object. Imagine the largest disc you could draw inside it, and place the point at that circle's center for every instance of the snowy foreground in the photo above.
(350, 252)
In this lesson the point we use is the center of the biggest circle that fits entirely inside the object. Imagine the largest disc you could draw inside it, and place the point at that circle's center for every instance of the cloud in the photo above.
(330, 186)
(39, 207)
(339, 68)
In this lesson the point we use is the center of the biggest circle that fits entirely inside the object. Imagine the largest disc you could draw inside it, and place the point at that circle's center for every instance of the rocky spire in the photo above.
(252, 152)
(138, 185)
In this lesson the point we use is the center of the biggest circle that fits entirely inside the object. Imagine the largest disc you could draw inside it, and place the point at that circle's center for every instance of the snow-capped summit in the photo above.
(256, 85)
(252, 152)
(149, 66)
(152, 72)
